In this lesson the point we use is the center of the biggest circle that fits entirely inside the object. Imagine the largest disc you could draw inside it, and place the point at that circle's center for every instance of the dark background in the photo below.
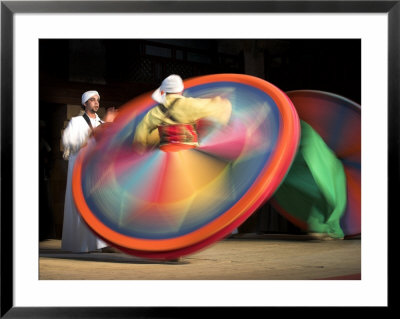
(122, 69)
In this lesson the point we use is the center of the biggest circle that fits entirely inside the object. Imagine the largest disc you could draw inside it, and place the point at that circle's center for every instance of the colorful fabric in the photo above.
(181, 109)
(161, 204)
(178, 133)
(314, 190)
(338, 121)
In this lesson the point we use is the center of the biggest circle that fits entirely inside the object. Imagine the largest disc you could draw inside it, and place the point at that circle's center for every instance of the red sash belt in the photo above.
(177, 137)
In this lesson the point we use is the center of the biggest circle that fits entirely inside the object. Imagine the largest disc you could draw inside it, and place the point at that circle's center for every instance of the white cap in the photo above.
(171, 84)
(87, 95)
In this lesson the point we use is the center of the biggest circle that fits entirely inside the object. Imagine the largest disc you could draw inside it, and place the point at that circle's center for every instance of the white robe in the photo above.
(76, 236)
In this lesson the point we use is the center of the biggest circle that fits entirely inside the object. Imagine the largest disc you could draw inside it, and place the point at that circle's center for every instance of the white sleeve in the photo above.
(75, 134)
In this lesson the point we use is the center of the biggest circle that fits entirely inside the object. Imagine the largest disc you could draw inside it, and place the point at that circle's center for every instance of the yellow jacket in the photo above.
(184, 110)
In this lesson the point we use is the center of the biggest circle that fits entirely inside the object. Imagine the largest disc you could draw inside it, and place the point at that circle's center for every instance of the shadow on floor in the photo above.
(106, 257)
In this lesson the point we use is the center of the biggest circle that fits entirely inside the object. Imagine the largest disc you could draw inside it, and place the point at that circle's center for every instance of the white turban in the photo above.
(171, 84)
(87, 95)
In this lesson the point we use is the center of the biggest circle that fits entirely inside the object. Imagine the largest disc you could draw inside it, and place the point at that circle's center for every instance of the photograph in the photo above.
(180, 179)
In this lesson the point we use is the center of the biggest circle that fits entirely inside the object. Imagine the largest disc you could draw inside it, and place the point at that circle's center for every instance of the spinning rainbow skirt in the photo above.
(166, 204)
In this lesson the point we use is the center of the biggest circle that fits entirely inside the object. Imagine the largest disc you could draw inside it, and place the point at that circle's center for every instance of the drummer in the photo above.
(171, 124)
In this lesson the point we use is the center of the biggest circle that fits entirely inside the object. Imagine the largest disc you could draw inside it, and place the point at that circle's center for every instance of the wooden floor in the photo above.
(248, 257)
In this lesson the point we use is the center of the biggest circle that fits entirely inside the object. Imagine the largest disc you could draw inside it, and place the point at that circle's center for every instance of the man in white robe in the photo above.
(76, 236)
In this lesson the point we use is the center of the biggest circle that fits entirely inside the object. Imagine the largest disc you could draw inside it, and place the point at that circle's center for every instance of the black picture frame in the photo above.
(9, 8)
